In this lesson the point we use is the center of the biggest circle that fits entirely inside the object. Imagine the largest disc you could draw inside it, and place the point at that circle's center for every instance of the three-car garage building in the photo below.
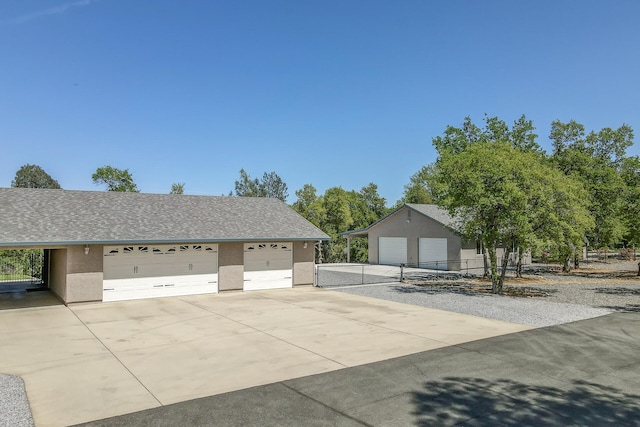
(110, 246)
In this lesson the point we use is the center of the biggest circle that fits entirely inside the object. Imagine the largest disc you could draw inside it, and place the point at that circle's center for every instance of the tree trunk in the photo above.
(639, 269)
(485, 259)
(576, 260)
(503, 272)
(566, 266)
(495, 280)
(519, 263)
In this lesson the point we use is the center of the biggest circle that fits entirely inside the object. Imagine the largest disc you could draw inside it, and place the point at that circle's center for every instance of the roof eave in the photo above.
(155, 241)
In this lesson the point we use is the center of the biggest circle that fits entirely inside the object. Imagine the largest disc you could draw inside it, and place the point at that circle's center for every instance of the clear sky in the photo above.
(331, 93)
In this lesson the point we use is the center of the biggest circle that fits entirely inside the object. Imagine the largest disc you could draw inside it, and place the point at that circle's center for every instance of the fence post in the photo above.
(362, 276)
(401, 272)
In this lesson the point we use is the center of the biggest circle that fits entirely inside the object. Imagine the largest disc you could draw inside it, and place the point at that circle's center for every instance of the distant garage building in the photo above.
(422, 235)
(110, 246)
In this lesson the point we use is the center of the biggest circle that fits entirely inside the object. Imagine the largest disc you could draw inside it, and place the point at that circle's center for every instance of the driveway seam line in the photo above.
(116, 357)
(270, 335)
(325, 405)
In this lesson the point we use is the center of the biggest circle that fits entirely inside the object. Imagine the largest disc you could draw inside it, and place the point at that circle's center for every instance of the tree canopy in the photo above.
(598, 160)
(115, 179)
(33, 176)
(504, 192)
(177, 188)
(339, 210)
(271, 185)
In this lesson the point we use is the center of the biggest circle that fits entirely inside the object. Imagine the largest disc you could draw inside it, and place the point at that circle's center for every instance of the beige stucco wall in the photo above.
(230, 266)
(418, 227)
(84, 274)
(303, 263)
(58, 273)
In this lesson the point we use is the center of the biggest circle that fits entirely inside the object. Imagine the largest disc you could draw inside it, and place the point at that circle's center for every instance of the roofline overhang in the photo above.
(365, 231)
(8, 245)
(356, 233)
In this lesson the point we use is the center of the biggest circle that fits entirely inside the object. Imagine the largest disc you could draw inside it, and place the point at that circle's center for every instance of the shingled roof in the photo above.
(434, 212)
(39, 217)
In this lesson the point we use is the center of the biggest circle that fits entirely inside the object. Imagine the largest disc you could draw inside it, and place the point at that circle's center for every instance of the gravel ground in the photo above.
(14, 406)
(536, 312)
(596, 290)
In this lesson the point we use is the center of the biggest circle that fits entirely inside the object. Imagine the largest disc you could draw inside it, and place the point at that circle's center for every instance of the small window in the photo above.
(171, 250)
(197, 248)
(157, 251)
(113, 252)
(262, 246)
(284, 247)
(250, 248)
(274, 246)
(127, 249)
(184, 248)
(478, 247)
(208, 249)
(143, 249)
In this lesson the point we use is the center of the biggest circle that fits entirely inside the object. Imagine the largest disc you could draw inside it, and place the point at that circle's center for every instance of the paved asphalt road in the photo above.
(585, 373)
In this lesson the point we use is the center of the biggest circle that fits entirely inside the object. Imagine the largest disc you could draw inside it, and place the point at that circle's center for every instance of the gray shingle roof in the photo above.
(39, 217)
(434, 212)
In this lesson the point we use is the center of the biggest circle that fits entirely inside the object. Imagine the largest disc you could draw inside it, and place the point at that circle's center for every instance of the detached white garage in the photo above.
(268, 265)
(148, 271)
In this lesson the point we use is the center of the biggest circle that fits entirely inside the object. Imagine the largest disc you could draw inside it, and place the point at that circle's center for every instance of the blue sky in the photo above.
(331, 93)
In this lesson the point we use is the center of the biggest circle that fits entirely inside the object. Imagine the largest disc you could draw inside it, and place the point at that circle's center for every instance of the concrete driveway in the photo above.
(92, 361)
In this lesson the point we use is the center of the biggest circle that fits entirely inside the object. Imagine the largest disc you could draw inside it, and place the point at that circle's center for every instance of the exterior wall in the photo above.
(472, 261)
(84, 274)
(230, 266)
(419, 226)
(303, 263)
(58, 273)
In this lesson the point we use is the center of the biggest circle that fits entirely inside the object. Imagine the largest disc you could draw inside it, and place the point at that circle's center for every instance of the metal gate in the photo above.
(22, 266)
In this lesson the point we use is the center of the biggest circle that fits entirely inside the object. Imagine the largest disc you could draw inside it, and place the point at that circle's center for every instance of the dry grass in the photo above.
(525, 286)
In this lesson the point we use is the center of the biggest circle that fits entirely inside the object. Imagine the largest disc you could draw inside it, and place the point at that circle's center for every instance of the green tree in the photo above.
(505, 193)
(418, 190)
(309, 205)
(271, 185)
(485, 187)
(630, 174)
(115, 179)
(520, 135)
(596, 160)
(247, 187)
(177, 188)
(33, 176)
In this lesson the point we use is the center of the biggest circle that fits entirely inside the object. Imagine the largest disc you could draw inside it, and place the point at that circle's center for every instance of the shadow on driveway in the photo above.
(476, 401)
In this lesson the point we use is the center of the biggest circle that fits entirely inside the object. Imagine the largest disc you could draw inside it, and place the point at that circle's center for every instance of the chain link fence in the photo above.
(330, 275)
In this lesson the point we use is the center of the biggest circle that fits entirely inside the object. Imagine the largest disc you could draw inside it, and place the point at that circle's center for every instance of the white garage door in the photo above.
(432, 253)
(268, 266)
(135, 272)
(392, 250)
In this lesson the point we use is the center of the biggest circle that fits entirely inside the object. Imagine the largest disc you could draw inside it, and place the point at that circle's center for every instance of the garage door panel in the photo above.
(268, 266)
(392, 250)
(133, 272)
(432, 253)
(277, 261)
(273, 279)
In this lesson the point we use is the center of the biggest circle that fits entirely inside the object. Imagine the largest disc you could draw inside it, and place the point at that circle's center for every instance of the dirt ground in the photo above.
(614, 285)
